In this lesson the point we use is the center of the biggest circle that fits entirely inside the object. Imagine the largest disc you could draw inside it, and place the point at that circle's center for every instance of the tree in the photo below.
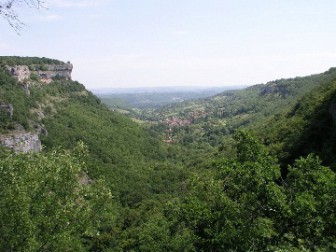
(240, 207)
(9, 13)
(45, 205)
(247, 206)
(311, 221)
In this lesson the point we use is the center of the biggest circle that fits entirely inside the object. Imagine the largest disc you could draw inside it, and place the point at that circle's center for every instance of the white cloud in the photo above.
(74, 3)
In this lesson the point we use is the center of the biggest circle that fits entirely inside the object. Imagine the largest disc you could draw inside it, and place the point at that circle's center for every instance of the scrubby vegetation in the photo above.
(16, 60)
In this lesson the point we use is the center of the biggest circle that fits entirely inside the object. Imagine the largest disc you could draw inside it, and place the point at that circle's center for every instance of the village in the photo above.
(176, 122)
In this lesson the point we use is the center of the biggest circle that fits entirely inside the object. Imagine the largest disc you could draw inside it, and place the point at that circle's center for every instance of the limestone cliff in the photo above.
(22, 141)
(51, 72)
(6, 109)
(46, 73)
(19, 73)
(19, 139)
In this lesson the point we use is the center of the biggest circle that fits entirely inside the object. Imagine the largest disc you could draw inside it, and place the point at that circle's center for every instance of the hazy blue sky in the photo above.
(129, 43)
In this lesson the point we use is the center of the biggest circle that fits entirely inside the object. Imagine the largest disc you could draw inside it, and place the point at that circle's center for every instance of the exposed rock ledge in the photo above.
(22, 142)
(19, 73)
(22, 72)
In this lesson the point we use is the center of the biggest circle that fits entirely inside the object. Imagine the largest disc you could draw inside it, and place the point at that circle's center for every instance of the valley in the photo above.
(251, 169)
(212, 119)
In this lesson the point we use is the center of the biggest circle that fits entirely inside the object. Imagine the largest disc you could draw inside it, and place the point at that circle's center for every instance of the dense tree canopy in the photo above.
(44, 204)
(247, 206)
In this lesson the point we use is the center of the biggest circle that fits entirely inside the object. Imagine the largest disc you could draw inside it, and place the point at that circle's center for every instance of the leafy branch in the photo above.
(8, 10)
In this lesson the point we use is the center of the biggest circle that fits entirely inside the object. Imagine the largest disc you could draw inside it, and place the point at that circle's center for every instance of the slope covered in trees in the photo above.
(131, 161)
(306, 127)
(245, 204)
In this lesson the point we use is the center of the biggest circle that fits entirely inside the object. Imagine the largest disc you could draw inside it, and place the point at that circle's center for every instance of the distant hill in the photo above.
(225, 112)
(155, 97)
(164, 89)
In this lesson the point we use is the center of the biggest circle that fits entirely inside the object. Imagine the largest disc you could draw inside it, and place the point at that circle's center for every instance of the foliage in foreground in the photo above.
(247, 206)
(43, 204)
(243, 204)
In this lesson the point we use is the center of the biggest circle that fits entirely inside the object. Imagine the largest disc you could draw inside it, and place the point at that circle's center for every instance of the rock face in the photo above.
(22, 142)
(25, 87)
(19, 73)
(19, 140)
(274, 88)
(55, 72)
(46, 73)
(7, 109)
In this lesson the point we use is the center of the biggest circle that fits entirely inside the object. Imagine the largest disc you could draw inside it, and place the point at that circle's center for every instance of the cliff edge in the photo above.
(21, 123)
(45, 73)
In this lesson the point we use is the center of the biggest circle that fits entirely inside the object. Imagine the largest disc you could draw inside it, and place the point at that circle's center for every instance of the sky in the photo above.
(147, 43)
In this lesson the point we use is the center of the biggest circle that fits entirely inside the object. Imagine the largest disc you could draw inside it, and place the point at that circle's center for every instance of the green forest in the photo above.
(246, 170)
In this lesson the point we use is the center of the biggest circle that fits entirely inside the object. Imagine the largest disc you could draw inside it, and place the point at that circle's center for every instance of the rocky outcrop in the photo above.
(18, 139)
(25, 86)
(7, 109)
(19, 73)
(22, 142)
(46, 73)
(274, 88)
(51, 72)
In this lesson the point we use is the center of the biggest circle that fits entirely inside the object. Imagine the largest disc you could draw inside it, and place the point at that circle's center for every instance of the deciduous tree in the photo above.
(44, 206)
